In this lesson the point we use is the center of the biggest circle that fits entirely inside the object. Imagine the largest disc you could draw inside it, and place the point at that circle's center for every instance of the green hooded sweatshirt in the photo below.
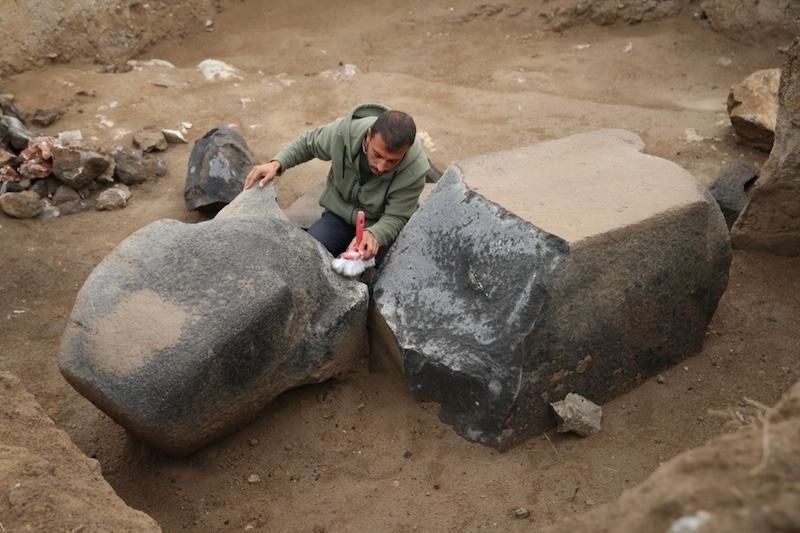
(388, 200)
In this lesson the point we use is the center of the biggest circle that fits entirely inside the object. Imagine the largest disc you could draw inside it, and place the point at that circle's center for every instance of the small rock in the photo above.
(7, 107)
(253, 442)
(46, 117)
(578, 415)
(6, 157)
(40, 188)
(13, 133)
(8, 174)
(254, 478)
(690, 523)
(155, 166)
(214, 70)
(186, 125)
(36, 158)
(130, 167)
(407, 454)
(68, 201)
(94, 465)
(174, 136)
(753, 108)
(344, 72)
(150, 141)
(76, 167)
(70, 137)
(693, 135)
(26, 204)
(249, 527)
(157, 63)
(115, 197)
(520, 512)
(287, 447)
(11, 186)
(660, 379)
(49, 212)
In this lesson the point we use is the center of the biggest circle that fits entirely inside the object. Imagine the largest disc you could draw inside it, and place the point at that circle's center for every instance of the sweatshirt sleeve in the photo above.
(316, 143)
(400, 205)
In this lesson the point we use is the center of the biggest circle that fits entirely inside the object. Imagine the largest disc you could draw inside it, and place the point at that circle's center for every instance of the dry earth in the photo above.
(358, 454)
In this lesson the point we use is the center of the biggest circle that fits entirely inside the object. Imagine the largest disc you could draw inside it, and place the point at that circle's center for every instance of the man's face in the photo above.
(379, 158)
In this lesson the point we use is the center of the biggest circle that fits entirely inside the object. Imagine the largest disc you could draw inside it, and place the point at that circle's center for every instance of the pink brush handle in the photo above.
(359, 227)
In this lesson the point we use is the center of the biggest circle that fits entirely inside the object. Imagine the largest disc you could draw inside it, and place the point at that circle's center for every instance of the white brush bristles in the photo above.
(351, 268)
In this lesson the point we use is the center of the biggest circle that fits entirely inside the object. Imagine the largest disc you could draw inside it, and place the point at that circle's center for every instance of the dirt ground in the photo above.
(358, 453)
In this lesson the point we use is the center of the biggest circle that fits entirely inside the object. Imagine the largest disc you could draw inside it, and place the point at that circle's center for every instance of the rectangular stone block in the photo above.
(578, 265)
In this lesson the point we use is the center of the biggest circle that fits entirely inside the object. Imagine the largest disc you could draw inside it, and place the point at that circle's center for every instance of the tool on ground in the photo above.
(350, 263)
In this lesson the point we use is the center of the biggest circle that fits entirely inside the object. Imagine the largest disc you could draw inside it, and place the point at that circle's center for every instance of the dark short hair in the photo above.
(396, 128)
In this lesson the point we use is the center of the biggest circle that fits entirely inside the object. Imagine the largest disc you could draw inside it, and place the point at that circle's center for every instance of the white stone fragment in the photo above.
(70, 137)
(174, 136)
(214, 70)
(158, 63)
(690, 524)
(578, 415)
(693, 135)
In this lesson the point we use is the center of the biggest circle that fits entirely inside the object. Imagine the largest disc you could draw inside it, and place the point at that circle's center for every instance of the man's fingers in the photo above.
(264, 181)
(251, 178)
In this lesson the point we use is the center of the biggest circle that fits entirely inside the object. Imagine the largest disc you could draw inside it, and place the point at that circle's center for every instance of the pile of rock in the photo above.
(42, 176)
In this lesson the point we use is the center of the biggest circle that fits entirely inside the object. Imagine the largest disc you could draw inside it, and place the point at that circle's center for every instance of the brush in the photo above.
(349, 263)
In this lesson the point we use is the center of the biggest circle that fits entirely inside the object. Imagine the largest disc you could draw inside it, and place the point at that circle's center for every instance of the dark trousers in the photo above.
(335, 234)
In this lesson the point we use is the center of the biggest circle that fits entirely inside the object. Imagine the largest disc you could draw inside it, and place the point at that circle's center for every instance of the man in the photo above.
(377, 165)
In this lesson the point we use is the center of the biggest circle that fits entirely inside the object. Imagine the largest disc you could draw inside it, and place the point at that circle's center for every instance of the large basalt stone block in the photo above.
(578, 265)
(186, 331)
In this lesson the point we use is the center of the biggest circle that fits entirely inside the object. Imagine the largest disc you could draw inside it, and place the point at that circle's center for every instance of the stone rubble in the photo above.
(62, 174)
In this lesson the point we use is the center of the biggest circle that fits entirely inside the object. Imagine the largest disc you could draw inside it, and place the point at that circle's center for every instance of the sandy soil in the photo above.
(333, 456)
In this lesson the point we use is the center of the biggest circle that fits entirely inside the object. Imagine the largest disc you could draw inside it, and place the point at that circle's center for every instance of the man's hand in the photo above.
(265, 172)
(369, 245)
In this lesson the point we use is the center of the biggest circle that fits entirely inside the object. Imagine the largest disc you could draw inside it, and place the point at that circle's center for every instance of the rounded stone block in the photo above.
(186, 331)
